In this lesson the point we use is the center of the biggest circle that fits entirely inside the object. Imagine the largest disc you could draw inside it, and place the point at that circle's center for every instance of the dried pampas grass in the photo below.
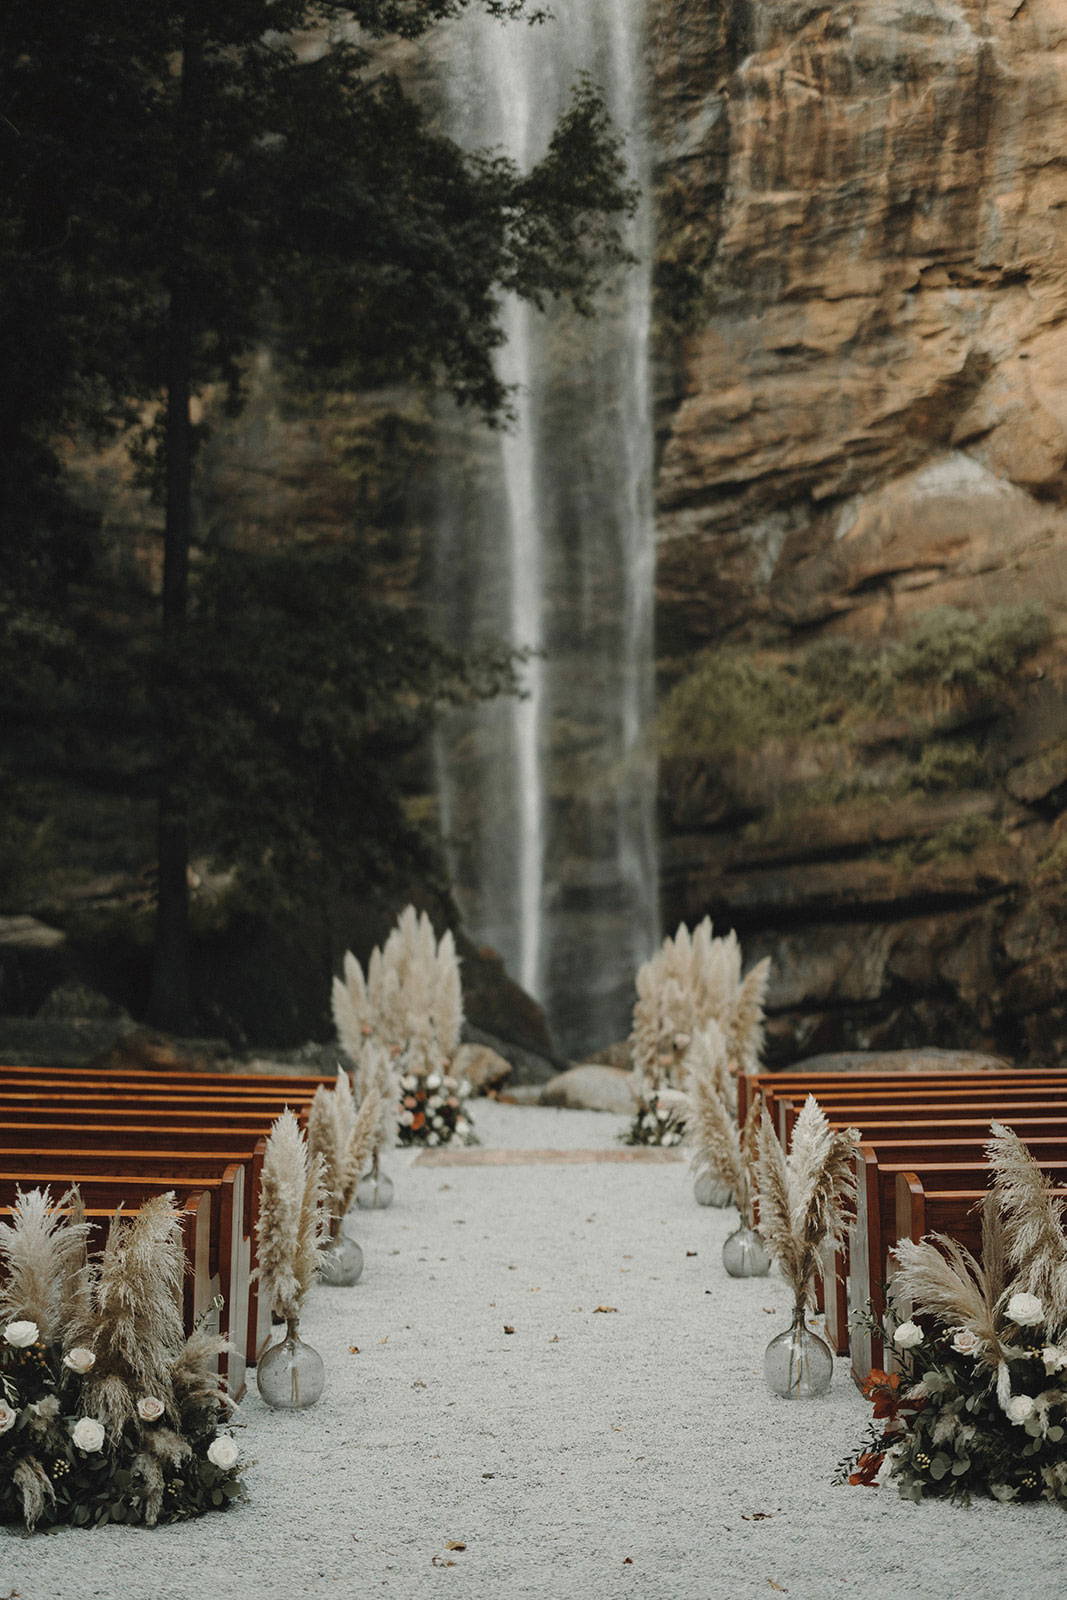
(292, 1225)
(805, 1197)
(132, 1321)
(410, 1001)
(710, 1126)
(1032, 1217)
(45, 1261)
(943, 1279)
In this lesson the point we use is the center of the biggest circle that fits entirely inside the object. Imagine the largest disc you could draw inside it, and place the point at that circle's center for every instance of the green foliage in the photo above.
(732, 701)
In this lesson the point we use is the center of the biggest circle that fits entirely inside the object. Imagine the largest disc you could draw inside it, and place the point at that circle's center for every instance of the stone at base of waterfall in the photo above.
(482, 1067)
(591, 1088)
(918, 1060)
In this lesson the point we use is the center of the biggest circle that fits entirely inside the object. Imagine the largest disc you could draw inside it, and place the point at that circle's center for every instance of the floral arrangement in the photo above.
(730, 1155)
(293, 1222)
(692, 980)
(433, 1110)
(804, 1197)
(344, 1139)
(108, 1413)
(980, 1403)
(402, 1021)
(659, 1119)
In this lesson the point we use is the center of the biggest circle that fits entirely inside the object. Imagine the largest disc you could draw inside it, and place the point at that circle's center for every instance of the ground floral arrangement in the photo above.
(656, 1121)
(108, 1413)
(433, 1110)
(979, 1406)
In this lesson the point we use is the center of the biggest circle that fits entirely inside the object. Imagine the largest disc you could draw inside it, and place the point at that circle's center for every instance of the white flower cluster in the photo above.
(658, 1122)
(431, 1108)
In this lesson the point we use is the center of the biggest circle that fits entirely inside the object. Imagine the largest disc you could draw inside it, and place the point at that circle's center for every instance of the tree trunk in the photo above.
(170, 1003)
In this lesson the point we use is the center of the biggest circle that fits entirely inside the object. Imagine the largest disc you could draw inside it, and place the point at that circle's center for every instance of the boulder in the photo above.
(527, 1066)
(591, 1087)
(144, 1051)
(482, 1066)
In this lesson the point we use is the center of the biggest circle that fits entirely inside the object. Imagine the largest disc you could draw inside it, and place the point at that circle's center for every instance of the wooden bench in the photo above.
(864, 1086)
(200, 1287)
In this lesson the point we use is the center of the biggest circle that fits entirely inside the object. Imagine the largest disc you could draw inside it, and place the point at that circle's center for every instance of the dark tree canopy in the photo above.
(181, 183)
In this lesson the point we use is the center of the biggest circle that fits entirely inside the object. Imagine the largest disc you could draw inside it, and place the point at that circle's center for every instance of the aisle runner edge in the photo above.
(529, 1158)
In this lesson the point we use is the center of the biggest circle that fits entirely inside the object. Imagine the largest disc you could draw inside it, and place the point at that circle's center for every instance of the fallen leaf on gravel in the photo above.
(488, 1474)
(437, 1562)
(777, 1586)
(627, 1561)
(385, 1340)
(770, 1310)
(508, 1328)
(604, 1308)
(353, 1349)
(756, 1516)
(690, 1252)
(443, 1187)
(536, 1290)
(554, 1339)
(418, 1384)
(455, 1544)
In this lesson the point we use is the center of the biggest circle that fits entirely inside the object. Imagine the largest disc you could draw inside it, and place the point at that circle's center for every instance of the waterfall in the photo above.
(544, 538)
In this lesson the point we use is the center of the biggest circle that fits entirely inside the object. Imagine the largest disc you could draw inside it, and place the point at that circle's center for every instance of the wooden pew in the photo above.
(859, 1086)
(178, 1168)
(200, 1286)
(127, 1141)
(57, 1076)
(919, 1108)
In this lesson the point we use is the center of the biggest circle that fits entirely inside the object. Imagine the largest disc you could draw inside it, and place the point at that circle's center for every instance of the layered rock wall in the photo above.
(863, 415)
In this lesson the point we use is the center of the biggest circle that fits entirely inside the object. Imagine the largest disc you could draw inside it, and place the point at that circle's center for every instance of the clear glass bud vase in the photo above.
(374, 1191)
(290, 1375)
(708, 1190)
(744, 1254)
(798, 1364)
(342, 1260)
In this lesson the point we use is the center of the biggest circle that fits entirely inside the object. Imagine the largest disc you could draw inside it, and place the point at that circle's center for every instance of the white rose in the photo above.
(431, 1138)
(150, 1409)
(907, 1336)
(88, 1434)
(222, 1452)
(1026, 1310)
(79, 1359)
(406, 1118)
(409, 1082)
(1020, 1408)
(648, 1120)
(1054, 1358)
(21, 1334)
(8, 1418)
(462, 1124)
(433, 1081)
(964, 1342)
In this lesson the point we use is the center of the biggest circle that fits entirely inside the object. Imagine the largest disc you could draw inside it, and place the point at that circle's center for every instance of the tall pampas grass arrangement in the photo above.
(720, 1149)
(291, 1233)
(108, 1413)
(694, 979)
(979, 1405)
(804, 1198)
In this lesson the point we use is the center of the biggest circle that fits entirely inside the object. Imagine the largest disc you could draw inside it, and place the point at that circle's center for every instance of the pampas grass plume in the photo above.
(291, 1228)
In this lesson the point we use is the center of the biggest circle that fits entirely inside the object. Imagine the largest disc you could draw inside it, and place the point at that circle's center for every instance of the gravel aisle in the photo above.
(586, 1455)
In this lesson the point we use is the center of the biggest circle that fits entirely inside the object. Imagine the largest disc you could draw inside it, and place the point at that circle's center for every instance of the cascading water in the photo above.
(544, 539)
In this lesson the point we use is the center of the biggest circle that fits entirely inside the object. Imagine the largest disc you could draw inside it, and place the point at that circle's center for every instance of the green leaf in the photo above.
(939, 1466)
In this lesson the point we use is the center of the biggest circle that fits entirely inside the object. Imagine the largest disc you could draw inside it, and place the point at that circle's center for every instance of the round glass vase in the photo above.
(708, 1190)
(342, 1260)
(290, 1375)
(744, 1254)
(798, 1364)
(374, 1191)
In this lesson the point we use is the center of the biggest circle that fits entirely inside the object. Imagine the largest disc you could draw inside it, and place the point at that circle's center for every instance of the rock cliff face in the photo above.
(863, 409)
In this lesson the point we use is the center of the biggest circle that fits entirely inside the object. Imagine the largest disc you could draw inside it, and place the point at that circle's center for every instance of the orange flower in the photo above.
(867, 1468)
(418, 1121)
(410, 1102)
(883, 1390)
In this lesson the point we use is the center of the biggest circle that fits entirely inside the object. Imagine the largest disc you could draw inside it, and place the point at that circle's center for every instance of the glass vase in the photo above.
(798, 1365)
(708, 1190)
(374, 1191)
(744, 1255)
(342, 1261)
(290, 1375)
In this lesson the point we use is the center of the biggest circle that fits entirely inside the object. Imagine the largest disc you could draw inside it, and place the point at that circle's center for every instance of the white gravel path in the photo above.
(586, 1456)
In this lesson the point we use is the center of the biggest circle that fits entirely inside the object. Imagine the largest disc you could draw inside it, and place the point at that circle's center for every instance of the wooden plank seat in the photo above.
(793, 1085)
(874, 1232)
(920, 1108)
(847, 1285)
(228, 1262)
(120, 1142)
(179, 1167)
(201, 1285)
(295, 1083)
